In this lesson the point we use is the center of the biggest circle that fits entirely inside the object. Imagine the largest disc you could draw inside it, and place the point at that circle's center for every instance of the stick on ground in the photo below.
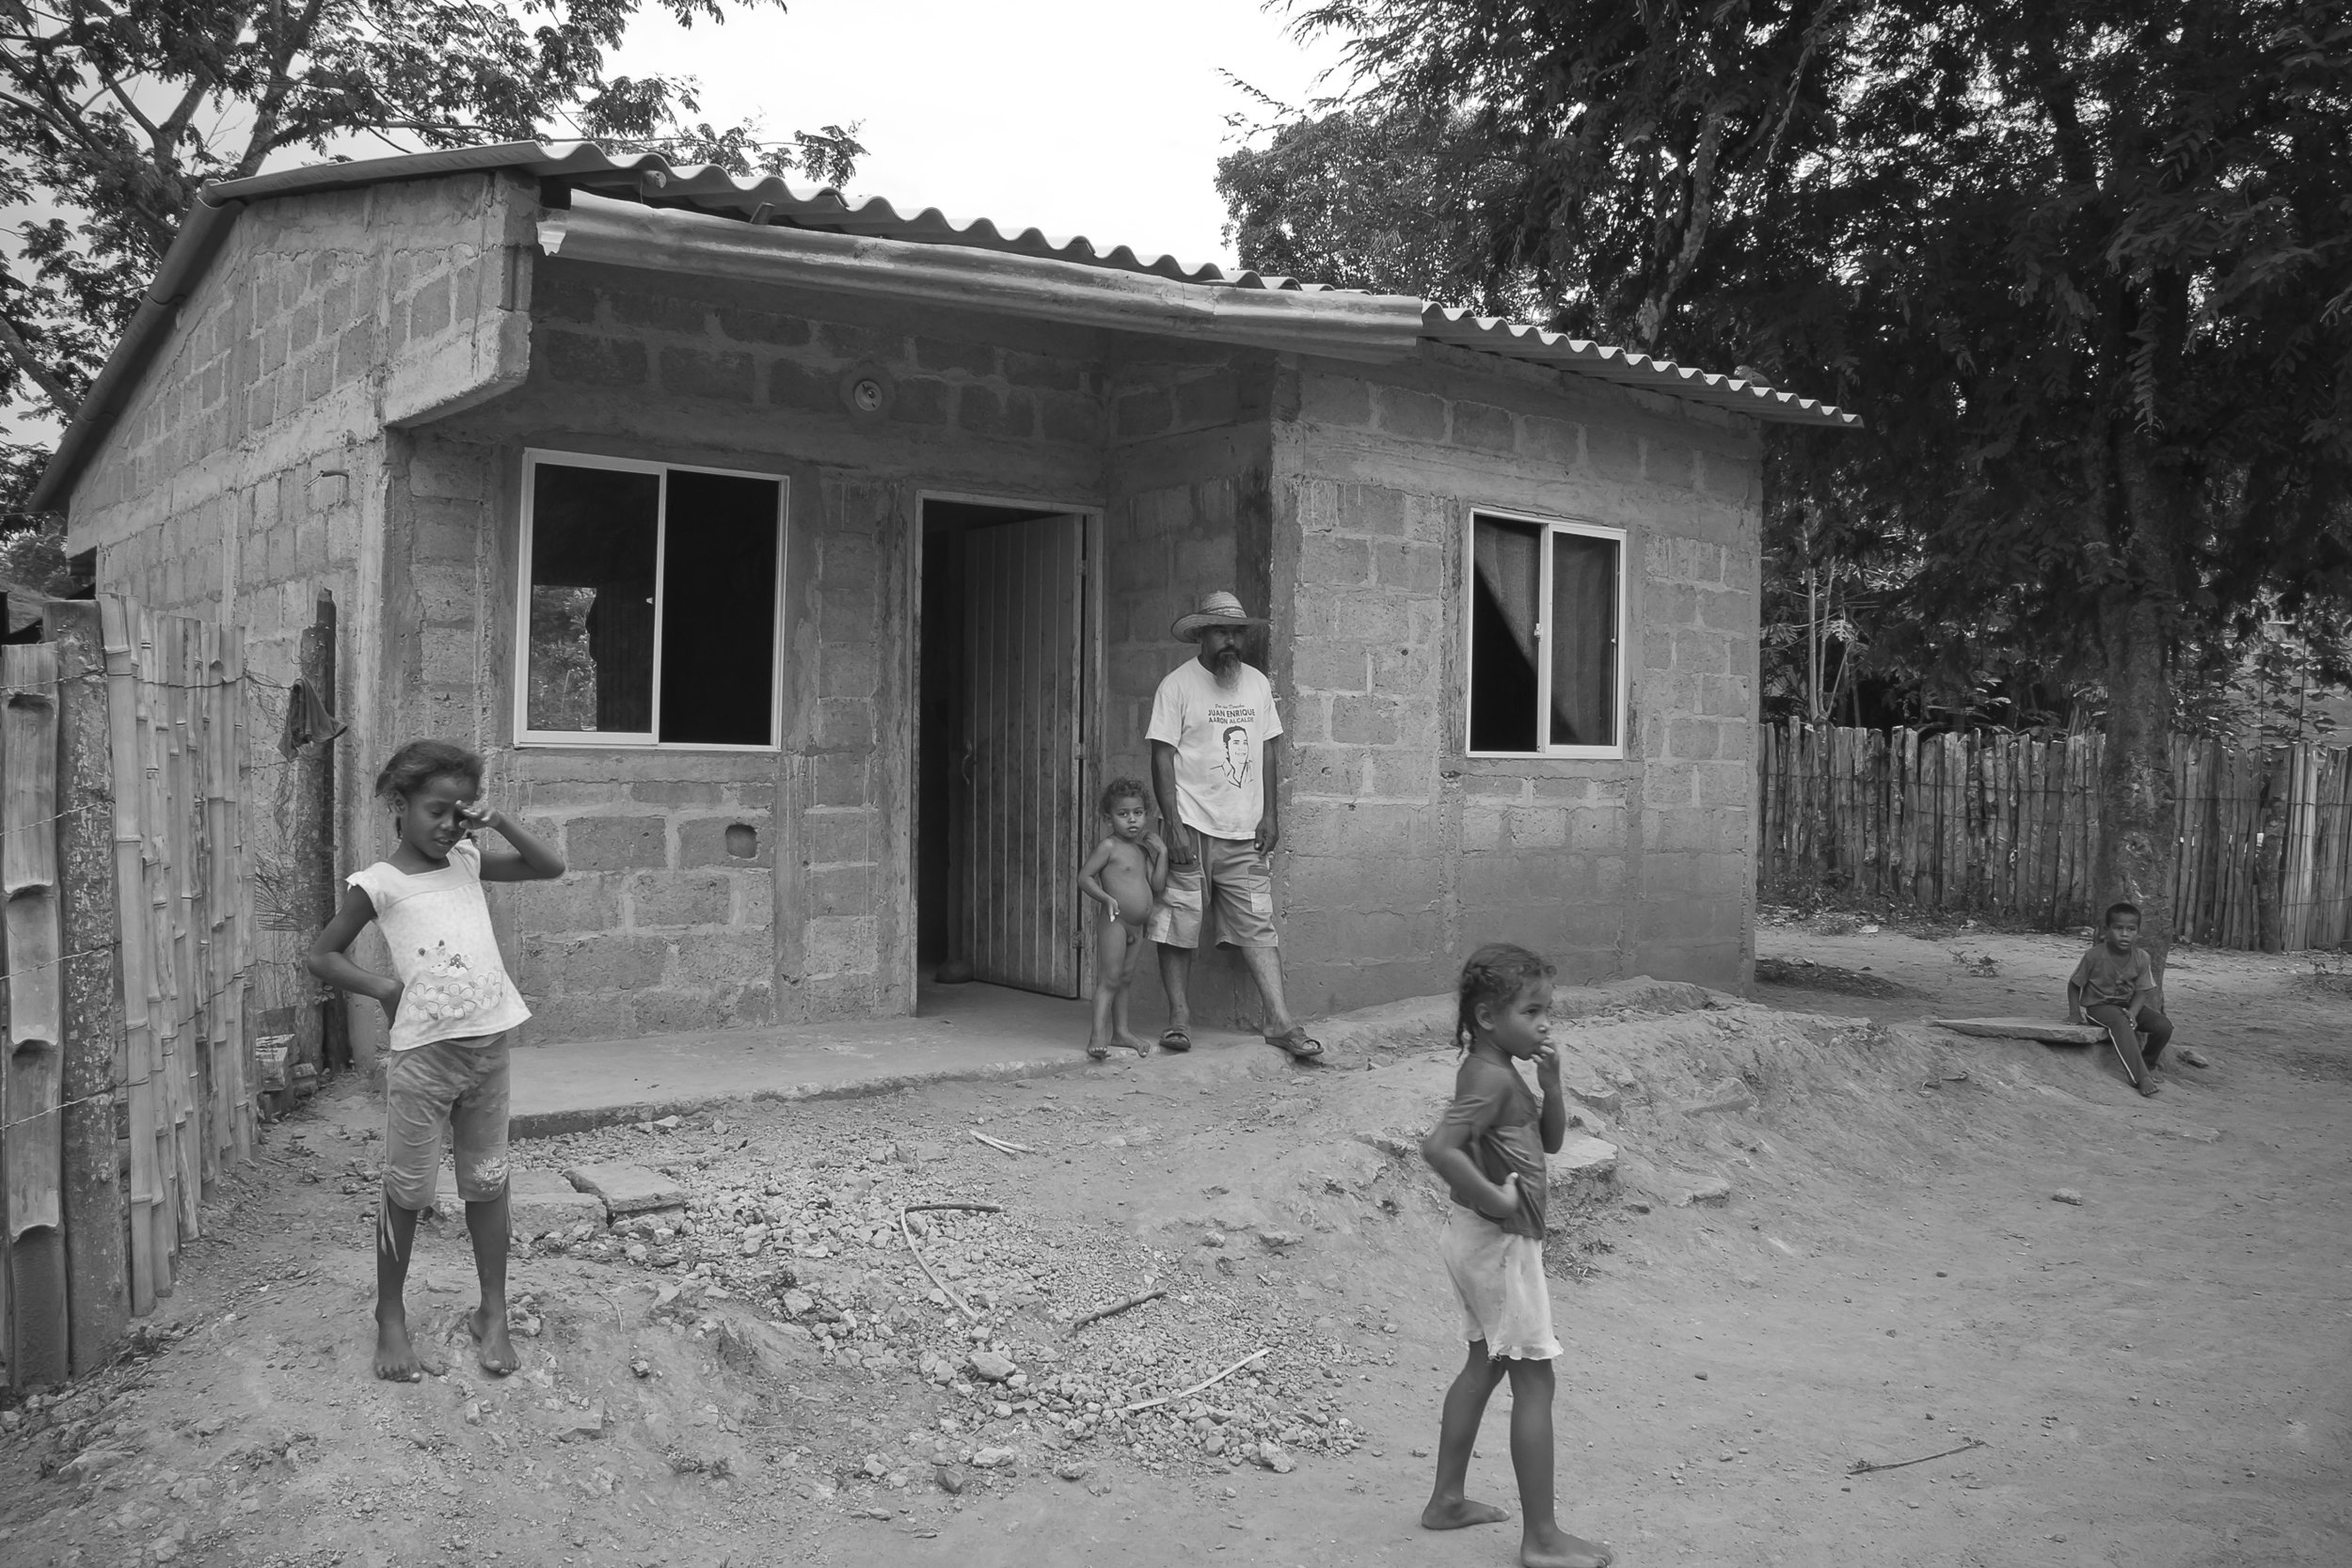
(908, 1236)
(1112, 1311)
(1864, 1468)
(1002, 1145)
(1206, 1382)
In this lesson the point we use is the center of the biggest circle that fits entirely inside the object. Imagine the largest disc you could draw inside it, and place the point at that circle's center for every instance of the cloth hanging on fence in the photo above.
(308, 722)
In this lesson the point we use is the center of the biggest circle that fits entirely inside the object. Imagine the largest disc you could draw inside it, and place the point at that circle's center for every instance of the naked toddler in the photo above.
(1127, 871)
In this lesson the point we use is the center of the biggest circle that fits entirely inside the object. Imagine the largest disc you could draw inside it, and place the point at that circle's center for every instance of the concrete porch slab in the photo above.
(962, 1033)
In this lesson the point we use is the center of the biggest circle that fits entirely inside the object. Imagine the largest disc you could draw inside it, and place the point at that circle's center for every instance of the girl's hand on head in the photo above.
(476, 817)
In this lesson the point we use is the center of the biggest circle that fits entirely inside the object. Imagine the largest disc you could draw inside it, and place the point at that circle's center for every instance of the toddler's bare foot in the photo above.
(1460, 1513)
(495, 1350)
(1135, 1043)
(395, 1358)
(1553, 1548)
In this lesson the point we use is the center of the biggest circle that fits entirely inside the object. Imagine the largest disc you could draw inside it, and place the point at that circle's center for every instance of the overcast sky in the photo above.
(1086, 116)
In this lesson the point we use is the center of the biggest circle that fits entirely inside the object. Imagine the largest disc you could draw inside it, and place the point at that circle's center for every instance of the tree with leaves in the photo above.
(2084, 265)
(114, 114)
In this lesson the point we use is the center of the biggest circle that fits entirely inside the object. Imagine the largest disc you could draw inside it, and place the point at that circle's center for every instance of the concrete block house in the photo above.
(804, 568)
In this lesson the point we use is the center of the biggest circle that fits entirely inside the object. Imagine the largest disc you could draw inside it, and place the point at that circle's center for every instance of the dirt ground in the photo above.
(1830, 1236)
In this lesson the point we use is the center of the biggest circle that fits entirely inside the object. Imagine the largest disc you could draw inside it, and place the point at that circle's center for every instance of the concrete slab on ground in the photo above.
(540, 1201)
(625, 1190)
(962, 1033)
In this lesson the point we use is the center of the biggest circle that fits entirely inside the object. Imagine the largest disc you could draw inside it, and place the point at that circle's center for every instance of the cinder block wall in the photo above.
(1189, 511)
(1404, 853)
(656, 927)
(248, 471)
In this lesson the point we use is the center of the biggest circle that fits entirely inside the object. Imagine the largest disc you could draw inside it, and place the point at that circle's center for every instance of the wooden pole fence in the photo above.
(2005, 825)
(125, 1086)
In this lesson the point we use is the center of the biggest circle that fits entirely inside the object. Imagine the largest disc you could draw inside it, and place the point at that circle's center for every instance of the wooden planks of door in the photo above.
(1018, 824)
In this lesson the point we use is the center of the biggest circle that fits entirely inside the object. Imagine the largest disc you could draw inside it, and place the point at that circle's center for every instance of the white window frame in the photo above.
(1553, 527)
(644, 740)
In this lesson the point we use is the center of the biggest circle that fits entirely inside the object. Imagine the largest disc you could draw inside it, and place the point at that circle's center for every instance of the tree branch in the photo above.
(12, 343)
(270, 107)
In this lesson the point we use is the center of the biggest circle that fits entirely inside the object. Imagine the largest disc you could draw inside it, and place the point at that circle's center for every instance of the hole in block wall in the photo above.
(742, 841)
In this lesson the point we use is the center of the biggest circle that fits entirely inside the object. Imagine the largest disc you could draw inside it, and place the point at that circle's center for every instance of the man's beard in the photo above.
(1225, 664)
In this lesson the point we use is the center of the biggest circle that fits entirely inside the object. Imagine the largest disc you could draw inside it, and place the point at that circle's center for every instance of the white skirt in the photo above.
(1500, 1280)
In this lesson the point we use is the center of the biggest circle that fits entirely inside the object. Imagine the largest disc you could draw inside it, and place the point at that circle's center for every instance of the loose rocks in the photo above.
(2067, 1194)
(990, 1367)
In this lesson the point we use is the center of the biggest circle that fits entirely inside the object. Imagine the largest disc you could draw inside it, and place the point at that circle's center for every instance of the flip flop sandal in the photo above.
(1175, 1039)
(1297, 1044)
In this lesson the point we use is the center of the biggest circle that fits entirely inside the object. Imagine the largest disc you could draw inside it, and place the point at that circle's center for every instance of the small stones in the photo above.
(1072, 1469)
(2195, 1057)
(1274, 1457)
(1279, 1240)
(582, 1426)
(1732, 1095)
(994, 1459)
(950, 1478)
(1716, 1190)
(2067, 1194)
(992, 1366)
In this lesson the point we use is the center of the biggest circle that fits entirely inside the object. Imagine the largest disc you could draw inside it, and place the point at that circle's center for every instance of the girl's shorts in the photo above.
(1499, 1278)
(454, 1090)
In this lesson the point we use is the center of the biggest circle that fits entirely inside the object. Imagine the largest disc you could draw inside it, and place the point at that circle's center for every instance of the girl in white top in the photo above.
(451, 1004)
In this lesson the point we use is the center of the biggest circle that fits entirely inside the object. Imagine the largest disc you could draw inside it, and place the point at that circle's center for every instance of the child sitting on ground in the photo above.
(2115, 988)
(450, 1009)
(1126, 873)
(1489, 1147)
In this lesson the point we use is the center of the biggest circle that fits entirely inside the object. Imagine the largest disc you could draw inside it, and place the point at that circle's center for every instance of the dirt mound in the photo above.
(1804, 974)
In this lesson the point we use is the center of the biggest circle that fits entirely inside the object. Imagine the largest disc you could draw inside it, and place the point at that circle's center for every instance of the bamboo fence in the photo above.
(125, 760)
(2007, 825)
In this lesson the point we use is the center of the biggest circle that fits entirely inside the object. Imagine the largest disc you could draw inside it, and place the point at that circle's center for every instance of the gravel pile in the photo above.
(812, 1244)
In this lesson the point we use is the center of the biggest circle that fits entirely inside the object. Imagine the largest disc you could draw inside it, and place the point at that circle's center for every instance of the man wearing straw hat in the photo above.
(1213, 765)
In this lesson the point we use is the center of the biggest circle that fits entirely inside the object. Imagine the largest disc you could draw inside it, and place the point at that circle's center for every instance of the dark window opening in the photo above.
(1544, 636)
(652, 604)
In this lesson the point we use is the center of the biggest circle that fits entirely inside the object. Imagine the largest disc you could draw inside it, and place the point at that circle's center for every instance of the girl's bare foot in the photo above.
(496, 1351)
(395, 1358)
(1460, 1513)
(1135, 1043)
(1552, 1547)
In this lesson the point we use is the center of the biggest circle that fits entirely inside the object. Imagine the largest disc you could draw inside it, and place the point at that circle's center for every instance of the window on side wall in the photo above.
(649, 604)
(1545, 618)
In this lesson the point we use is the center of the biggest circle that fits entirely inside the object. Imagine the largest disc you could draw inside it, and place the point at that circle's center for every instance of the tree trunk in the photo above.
(2271, 845)
(2138, 838)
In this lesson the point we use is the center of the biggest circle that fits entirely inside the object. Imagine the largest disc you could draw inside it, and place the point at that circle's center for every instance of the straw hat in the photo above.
(1219, 609)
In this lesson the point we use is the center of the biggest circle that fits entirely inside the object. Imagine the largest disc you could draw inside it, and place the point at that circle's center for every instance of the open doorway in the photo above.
(999, 746)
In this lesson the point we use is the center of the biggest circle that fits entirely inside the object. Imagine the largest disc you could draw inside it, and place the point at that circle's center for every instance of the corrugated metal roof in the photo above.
(654, 181)
(1519, 340)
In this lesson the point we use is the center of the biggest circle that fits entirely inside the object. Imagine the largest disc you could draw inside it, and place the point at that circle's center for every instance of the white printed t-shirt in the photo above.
(444, 954)
(1220, 738)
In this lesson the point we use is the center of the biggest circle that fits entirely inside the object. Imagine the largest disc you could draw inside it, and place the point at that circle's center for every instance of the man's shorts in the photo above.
(1499, 1278)
(1231, 873)
(453, 1089)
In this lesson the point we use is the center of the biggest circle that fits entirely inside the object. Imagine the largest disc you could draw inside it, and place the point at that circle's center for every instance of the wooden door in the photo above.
(1019, 822)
